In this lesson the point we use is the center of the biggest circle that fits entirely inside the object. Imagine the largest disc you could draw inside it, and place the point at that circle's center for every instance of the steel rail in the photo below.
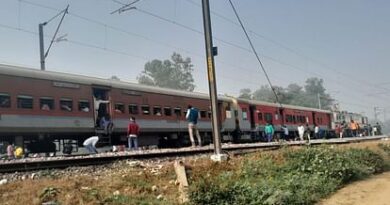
(24, 165)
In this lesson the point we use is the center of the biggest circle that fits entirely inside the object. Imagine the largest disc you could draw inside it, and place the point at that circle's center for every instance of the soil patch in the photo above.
(373, 191)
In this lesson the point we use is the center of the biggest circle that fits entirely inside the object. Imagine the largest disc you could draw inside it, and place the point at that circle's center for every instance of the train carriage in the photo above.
(45, 106)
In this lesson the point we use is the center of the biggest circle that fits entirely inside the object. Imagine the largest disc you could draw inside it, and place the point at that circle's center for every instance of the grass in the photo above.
(288, 176)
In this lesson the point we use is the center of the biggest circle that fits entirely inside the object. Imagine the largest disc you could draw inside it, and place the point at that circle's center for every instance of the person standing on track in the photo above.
(132, 134)
(193, 116)
(90, 144)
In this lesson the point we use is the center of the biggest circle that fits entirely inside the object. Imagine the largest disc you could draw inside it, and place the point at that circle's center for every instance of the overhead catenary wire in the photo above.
(255, 53)
(294, 51)
(185, 27)
(141, 36)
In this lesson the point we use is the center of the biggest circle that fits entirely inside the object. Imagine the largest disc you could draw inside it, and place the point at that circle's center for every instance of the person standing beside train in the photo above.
(285, 132)
(193, 116)
(301, 131)
(354, 127)
(269, 131)
(132, 134)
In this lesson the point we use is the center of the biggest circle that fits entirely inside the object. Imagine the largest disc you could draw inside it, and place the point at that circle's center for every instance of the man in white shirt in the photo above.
(301, 131)
(317, 131)
(90, 144)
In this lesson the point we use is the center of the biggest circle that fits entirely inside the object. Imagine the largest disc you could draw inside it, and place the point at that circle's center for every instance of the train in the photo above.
(46, 110)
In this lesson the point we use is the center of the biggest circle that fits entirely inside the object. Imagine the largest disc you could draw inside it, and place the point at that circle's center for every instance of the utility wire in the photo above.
(79, 43)
(171, 21)
(296, 52)
(255, 52)
(82, 44)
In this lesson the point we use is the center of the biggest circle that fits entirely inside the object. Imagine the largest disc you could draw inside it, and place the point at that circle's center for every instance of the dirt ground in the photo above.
(373, 191)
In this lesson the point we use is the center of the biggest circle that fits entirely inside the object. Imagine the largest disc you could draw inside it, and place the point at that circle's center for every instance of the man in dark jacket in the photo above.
(193, 116)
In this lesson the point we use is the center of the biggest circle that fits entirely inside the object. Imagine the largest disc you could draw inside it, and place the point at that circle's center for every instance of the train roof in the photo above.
(12, 70)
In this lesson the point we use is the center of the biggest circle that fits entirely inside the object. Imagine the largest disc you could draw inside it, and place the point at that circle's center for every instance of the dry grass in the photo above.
(127, 185)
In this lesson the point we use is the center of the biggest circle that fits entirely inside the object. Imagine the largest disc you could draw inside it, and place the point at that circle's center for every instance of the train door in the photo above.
(101, 105)
(314, 118)
(252, 111)
(281, 113)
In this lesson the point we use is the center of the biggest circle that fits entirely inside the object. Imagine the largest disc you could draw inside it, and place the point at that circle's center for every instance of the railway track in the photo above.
(29, 164)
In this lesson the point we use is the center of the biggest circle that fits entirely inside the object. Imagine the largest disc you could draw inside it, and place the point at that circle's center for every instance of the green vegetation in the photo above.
(175, 73)
(293, 177)
(293, 94)
(385, 147)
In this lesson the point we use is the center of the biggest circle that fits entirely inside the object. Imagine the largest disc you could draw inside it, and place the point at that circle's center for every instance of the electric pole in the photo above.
(210, 52)
(44, 54)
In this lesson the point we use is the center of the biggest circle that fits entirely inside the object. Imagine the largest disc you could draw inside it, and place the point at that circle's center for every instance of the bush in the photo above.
(385, 148)
(301, 177)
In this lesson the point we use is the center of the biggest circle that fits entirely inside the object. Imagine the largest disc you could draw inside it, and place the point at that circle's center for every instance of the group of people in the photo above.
(133, 131)
(304, 132)
(132, 137)
(193, 116)
(353, 129)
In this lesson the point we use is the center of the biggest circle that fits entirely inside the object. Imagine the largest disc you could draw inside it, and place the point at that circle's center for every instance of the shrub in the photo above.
(303, 177)
(385, 148)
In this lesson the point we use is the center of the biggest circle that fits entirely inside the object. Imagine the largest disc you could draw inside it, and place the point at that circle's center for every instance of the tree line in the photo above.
(176, 73)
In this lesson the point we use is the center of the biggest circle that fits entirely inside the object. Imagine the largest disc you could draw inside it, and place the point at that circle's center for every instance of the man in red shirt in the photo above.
(132, 133)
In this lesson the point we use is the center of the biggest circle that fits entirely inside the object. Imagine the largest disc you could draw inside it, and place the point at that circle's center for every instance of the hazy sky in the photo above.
(344, 42)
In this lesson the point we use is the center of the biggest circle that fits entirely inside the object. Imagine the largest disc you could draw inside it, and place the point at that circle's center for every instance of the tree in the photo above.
(294, 94)
(264, 94)
(175, 73)
(245, 93)
(315, 93)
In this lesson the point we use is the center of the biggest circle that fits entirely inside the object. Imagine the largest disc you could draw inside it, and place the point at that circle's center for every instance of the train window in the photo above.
(294, 119)
(46, 103)
(25, 102)
(157, 110)
(260, 116)
(177, 111)
(244, 114)
(84, 106)
(145, 109)
(133, 109)
(268, 117)
(209, 114)
(5, 100)
(203, 114)
(119, 108)
(289, 118)
(66, 104)
(167, 111)
(228, 112)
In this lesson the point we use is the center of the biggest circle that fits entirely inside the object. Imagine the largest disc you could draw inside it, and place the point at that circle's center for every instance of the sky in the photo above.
(345, 43)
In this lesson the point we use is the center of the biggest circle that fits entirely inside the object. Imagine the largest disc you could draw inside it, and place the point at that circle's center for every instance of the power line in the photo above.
(293, 50)
(77, 43)
(168, 45)
(126, 54)
(255, 52)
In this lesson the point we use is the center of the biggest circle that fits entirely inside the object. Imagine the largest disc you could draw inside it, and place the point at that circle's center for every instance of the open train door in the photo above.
(101, 104)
